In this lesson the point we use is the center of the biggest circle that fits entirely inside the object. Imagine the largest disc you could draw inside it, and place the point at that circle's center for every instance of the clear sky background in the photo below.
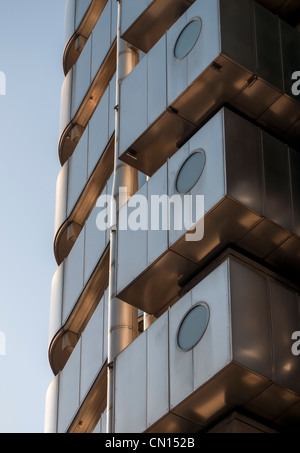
(31, 47)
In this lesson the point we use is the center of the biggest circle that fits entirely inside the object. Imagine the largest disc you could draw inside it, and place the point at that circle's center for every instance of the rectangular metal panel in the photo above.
(131, 10)
(133, 105)
(277, 182)
(91, 350)
(105, 327)
(98, 132)
(81, 77)
(157, 237)
(211, 184)
(157, 80)
(68, 401)
(94, 242)
(81, 8)
(157, 369)
(130, 388)
(290, 38)
(213, 352)
(137, 254)
(237, 32)
(181, 362)
(77, 172)
(286, 258)
(244, 172)
(100, 39)
(268, 46)
(250, 313)
(295, 181)
(181, 73)
(285, 321)
(73, 276)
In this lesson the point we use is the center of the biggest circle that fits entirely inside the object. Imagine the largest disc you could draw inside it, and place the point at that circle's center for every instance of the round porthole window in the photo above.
(188, 38)
(191, 171)
(193, 327)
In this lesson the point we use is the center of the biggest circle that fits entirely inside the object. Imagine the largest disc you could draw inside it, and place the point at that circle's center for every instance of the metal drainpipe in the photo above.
(122, 318)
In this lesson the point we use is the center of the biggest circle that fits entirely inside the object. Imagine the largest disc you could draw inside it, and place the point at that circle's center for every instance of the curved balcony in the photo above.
(250, 184)
(237, 356)
(77, 287)
(87, 81)
(84, 175)
(80, 18)
(231, 60)
(77, 396)
(144, 22)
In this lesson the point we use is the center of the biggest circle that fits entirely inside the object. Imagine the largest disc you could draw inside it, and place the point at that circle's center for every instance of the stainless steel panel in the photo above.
(285, 321)
(131, 10)
(183, 72)
(130, 388)
(98, 133)
(238, 21)
(69, 27)
(268, 47)
(77, 172)
(250, 313)
(91, 350)
(286, 259)
(81, 77)
(126, 238)
(105, 325)
(174, 424)
(73, 276)
(65, 102)
(282, 116)
(61, 197)
(213, 352)
(101, 39)
(295, 184)
(277, 182)
(212, 181)
(157, 186)
(95, 242)
(272, 402)
(56, 302)
(157, 369)
(133, 105)
(181, 362)
(157, 77)
(243, 161)
(81, 8)
(51, 405)
(68, 402)
(290, 38)
(291, 418)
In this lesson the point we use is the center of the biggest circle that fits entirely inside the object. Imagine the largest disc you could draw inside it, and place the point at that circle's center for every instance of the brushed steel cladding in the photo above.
(51, 407)
(248, 201)
(81, 77)
(243, 56)
(131, 388)
(243, 359)
(56, 302)
(69, 384)
(77, 176)
(81, 9)
(73, 276)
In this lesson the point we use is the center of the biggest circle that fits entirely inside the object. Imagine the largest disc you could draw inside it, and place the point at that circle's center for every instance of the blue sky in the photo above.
(31, 47)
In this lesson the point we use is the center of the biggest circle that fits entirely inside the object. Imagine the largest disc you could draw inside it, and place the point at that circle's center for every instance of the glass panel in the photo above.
(193, 327)
(188, 38)
(190, 172)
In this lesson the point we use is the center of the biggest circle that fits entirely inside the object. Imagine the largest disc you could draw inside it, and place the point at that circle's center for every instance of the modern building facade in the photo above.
(163, 325)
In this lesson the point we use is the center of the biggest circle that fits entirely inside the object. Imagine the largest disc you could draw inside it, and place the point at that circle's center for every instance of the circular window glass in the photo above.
(190, 172)
(193, 327)
(188, 38)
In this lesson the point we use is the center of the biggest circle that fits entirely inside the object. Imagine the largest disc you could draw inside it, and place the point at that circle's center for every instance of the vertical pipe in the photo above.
(122, 318)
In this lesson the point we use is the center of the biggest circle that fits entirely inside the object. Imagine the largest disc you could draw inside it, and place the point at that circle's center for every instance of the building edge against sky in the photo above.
(150, 329)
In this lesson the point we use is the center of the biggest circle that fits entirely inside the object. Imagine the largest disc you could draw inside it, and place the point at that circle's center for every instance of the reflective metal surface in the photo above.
(50, 421)
(241, 361)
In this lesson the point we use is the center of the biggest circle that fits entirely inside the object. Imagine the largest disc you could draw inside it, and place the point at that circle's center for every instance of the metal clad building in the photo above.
(177, 321)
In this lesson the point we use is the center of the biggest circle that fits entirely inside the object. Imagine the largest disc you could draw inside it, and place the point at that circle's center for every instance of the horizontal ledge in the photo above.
(71, 52)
